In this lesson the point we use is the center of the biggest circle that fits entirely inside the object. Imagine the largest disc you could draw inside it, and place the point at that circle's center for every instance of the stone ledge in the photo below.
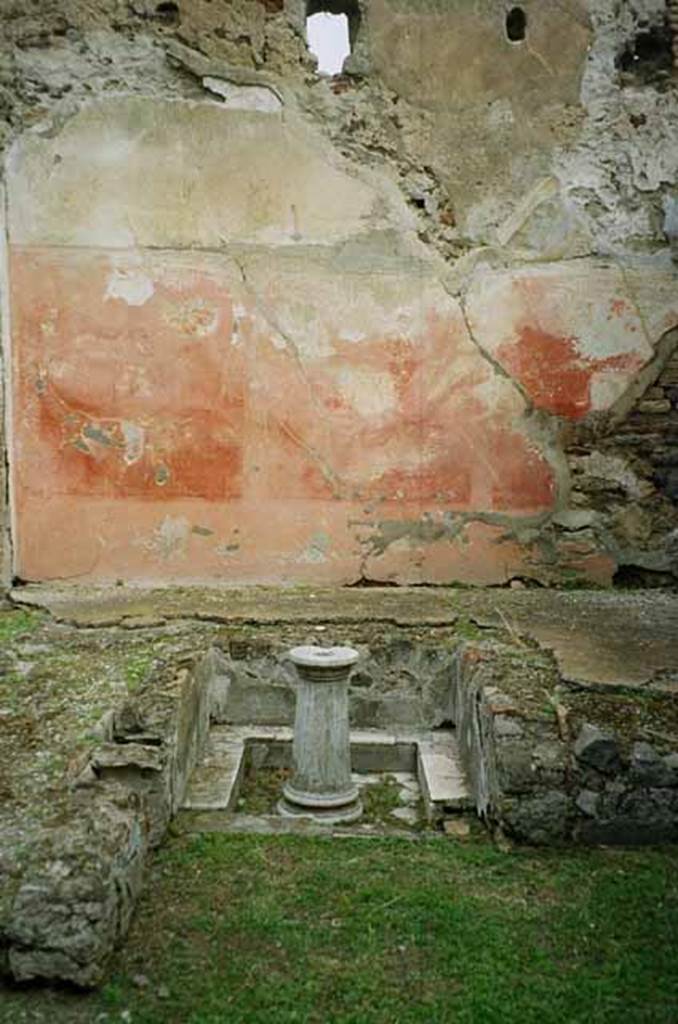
(74, 880)
(216, 780)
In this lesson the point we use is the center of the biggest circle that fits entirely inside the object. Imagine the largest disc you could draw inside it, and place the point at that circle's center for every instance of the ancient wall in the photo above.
(415, 323)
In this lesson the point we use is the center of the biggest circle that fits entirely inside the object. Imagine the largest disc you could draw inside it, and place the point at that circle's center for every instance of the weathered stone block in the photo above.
(76, 903)
(587, 802)
(597, 749)
(647, 768)
(550, 761)
(507, 725)
(514, 766)
(544, 818)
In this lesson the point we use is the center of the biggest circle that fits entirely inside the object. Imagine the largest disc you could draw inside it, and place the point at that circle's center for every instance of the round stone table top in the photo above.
(324, 657)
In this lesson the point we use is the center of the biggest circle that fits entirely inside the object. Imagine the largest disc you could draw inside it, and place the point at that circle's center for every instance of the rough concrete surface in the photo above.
(624, 639)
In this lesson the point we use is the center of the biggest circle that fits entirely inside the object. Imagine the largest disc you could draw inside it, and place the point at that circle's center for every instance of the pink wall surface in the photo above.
(234, 361)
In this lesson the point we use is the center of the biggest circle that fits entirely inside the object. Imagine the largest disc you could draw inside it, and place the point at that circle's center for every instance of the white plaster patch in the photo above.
(134, 436)
(170, 537)
(130, 171)
(606, 388)
(371, 393)
(316, 551)
(500, 114)
(321, 310)
(244, 97)
(132, 286)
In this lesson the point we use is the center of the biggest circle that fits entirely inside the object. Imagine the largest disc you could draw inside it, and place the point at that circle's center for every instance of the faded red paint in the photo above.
(553, 371)
(438, 445)
(618, 307)
(256, 464)
(89, 371)
(180, 459)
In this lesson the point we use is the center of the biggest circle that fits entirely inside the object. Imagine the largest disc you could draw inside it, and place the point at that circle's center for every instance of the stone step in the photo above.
(215, 781)
(441, 775)
(197, 822)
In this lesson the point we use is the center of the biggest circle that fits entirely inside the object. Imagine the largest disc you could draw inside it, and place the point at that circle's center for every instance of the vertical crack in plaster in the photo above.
(496, 366)
(7, 512)
(632, 295)
(662, 350)
(542, 425)
(329, 474)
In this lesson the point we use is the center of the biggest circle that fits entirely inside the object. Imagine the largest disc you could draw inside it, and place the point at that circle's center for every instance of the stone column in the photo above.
(320, 786)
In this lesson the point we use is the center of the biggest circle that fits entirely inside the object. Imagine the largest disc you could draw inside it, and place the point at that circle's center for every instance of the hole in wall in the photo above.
(637, 577)
(648, 56)
(516, 25)
(167, 12)
(328, 41)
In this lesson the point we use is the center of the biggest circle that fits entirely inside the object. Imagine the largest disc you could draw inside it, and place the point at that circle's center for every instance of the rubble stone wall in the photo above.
(407, 324)
(551, 764)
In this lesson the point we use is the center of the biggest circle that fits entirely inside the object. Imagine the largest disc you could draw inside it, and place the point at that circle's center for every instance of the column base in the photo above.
(331, 816)
(329, 809)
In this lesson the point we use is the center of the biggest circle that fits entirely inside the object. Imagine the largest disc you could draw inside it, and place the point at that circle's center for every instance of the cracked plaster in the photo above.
(497, 216)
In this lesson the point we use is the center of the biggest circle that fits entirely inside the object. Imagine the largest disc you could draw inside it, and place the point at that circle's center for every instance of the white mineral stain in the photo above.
(170, 537)
(372, 394)
(134, 441)
(132, 286)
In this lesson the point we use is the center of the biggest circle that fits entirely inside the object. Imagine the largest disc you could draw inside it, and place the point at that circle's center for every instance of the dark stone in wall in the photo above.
(626, 474)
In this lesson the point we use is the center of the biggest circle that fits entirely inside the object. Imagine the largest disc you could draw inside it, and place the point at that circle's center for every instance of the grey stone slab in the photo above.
(215, 782)
(441, 776)
(406, 814)
(234, 824)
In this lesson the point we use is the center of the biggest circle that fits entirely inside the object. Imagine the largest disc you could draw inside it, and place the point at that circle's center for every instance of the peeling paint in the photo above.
(316, 550)
(226, 551)
(194, 317)
(244, 97)
(416, 421)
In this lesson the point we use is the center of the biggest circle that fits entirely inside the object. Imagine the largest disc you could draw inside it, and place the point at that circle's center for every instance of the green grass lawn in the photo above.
(275, 930)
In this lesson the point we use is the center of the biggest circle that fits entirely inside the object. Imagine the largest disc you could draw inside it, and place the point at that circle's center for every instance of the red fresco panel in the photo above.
(119, 401)
(442, 443)
(159, 433)
(562, 332)
(555, 373)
